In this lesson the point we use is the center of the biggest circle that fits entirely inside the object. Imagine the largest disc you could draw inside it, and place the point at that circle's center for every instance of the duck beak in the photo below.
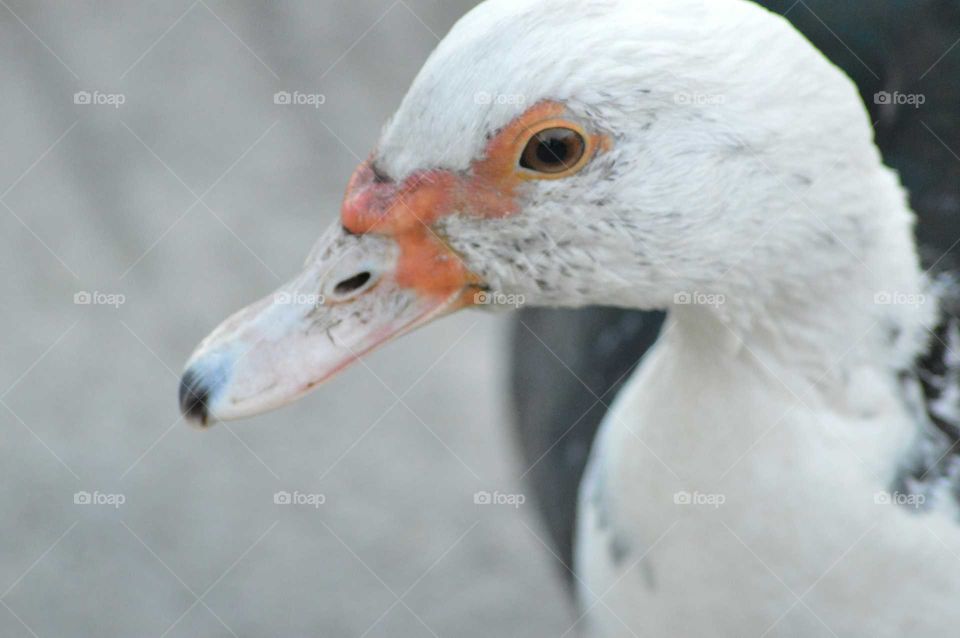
(356, 292)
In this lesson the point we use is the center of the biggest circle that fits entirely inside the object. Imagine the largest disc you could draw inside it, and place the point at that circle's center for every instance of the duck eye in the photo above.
(553, 150)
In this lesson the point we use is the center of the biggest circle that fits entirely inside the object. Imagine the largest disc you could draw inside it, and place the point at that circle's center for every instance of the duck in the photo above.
(757, 472)
(567, 364)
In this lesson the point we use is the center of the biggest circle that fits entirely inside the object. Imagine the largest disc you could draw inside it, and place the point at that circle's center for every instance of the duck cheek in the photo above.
(431, 267)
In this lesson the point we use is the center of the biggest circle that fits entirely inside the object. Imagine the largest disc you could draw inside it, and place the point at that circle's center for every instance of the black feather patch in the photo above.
(932, 391)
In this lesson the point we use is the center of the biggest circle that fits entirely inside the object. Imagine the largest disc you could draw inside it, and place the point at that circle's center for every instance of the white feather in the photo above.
(743, 169)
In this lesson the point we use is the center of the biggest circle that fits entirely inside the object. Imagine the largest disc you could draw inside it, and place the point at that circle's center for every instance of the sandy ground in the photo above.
(193, 197)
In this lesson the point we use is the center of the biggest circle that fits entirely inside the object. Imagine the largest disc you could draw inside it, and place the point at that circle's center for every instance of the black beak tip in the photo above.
(194, 395)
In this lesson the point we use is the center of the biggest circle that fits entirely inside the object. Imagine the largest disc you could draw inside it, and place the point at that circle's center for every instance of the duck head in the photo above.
(561, 153)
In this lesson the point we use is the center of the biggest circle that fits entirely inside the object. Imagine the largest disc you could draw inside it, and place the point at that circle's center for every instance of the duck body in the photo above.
(758, 473)
(755, 475)
(689, 155)
(717, 502)
(749, 479)
(884, 46)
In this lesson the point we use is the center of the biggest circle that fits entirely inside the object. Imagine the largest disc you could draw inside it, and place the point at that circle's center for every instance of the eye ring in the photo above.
(555, 150)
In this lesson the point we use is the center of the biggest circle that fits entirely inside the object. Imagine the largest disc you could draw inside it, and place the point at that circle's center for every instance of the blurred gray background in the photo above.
(193, 197)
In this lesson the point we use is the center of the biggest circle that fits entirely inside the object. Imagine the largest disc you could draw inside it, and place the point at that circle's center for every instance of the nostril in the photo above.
(352, 284)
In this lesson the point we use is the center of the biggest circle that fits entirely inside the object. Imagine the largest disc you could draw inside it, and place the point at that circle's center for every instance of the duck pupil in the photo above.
(552, 151)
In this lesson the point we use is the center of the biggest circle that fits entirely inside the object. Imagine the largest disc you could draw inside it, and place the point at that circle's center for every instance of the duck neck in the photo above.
(870, 307)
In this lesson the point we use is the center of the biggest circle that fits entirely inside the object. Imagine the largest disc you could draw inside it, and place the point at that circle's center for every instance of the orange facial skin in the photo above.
(407, 211)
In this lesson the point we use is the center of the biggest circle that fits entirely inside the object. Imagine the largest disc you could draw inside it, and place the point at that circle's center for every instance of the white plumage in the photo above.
(744, 481)
(744, 172)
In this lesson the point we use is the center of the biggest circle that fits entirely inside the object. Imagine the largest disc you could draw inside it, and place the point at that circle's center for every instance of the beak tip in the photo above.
(195, 395)
(201, 386)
